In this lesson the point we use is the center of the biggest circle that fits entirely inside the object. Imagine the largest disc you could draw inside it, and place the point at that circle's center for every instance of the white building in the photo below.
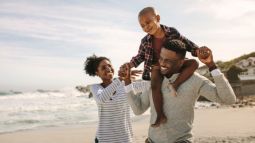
(249, 65)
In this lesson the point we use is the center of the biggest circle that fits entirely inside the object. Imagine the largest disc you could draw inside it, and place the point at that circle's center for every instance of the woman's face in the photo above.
(105, 70)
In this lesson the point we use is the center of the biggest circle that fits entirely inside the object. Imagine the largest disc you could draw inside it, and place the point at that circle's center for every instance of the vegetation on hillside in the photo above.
(226, 65)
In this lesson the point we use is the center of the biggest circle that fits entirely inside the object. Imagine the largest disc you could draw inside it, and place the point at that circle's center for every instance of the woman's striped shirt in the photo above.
(114, 124)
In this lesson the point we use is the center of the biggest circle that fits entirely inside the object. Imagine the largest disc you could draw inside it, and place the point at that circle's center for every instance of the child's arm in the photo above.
(187, 70)
(139, 58)
(190, 46)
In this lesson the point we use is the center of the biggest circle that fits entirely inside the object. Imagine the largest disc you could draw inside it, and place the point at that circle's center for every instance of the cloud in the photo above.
(47, 39)
(74, 25)
(39, 41)
(63, 23)
(222, 9)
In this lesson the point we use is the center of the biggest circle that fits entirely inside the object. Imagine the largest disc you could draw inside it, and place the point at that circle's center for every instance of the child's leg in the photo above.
(189, 67)
(156, 82)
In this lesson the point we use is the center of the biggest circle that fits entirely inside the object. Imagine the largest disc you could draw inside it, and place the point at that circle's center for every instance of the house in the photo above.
(249, 65)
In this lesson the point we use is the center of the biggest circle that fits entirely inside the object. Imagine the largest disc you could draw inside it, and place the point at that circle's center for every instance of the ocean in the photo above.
(30, 110)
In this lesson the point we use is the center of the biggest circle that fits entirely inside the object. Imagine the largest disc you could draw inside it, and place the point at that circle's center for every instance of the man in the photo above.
(178, 109)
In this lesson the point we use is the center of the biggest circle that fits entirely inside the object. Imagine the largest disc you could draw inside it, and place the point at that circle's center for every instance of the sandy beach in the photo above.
(210, 125)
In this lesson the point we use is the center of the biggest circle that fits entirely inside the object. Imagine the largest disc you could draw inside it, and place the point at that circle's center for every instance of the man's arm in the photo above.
(137, 92)
(221, 91)
(139, 102)
(138, 96)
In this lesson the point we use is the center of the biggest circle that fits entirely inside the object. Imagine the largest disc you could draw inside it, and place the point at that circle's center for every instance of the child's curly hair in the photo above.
(91, 64)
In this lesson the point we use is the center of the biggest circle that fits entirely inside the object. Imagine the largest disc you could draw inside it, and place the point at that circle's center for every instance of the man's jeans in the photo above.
(148, 140)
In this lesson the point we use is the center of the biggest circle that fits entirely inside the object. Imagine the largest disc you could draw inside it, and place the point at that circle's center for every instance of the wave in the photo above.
(10, 93)
(43, 108)
(25, 121)
(67, 92)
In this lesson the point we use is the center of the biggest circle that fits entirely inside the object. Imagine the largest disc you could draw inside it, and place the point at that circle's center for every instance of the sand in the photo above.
(232, 125)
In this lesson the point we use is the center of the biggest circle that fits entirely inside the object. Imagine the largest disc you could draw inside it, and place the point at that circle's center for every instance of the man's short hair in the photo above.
(177, 46)
(147, 10)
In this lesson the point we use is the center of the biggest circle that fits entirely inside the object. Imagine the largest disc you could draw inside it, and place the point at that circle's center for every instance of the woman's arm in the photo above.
(103, 95)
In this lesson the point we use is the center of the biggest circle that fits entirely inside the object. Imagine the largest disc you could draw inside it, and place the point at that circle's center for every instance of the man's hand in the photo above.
(127, 75)
(135, 73)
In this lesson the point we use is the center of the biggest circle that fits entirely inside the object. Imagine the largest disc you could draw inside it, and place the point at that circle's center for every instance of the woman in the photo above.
(114, 124)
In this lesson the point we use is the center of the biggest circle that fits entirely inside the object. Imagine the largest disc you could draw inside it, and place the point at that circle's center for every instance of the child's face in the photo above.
(149, 23)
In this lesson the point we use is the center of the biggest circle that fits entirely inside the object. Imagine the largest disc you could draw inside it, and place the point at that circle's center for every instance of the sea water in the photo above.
(30, 110)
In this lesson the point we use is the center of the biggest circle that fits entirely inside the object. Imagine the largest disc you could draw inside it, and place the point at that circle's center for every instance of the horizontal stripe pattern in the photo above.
(114, 124)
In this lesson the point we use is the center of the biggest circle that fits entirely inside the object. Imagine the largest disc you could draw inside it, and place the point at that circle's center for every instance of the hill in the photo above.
(226, 65)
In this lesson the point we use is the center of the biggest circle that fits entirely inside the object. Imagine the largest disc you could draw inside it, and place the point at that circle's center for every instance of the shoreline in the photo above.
(210, 125)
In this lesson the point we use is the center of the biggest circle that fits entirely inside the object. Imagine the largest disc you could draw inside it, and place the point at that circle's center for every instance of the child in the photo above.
(149, 54)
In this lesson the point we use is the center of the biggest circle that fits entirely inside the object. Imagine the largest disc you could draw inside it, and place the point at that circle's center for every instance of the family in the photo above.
(170, 86)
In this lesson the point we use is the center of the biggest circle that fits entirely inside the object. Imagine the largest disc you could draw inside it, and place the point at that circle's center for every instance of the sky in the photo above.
(44, 43)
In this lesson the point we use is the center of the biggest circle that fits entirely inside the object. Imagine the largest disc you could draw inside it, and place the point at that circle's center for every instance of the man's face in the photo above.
(170, 62)
(149, 23)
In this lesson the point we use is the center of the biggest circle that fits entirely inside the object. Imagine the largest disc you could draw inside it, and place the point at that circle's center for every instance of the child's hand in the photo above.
(203, 52)
(175, 86)
(130, 65)
(172, 88)
(205, 55)
(125, 65)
